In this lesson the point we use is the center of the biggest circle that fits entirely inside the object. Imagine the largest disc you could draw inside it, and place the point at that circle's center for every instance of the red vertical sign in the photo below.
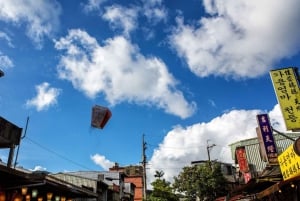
(242, 159)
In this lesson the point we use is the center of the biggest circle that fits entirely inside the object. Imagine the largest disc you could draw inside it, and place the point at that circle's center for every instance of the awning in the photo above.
(15, 179)
(268, 191)
(276, 187)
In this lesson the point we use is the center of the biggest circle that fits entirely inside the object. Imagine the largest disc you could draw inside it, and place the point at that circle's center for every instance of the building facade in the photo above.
(257, 163)
(134, 174)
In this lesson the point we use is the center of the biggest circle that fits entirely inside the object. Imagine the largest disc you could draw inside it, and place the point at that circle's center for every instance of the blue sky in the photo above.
(183, 73)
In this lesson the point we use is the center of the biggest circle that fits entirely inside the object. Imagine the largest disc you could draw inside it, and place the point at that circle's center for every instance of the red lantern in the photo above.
(100, 116)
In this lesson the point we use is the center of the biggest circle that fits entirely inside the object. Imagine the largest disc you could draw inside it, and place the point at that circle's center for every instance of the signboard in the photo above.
(100, 116)
(262, 148)
(242, 159)
(286, 86)
(267, 137)
(9, 133)
(289, 161)
(247, 177)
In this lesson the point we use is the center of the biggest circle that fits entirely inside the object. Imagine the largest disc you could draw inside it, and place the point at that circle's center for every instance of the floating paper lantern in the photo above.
(100, 116)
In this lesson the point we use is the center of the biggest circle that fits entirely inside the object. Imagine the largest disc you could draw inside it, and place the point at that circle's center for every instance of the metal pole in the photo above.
(208, 147)
(144, 161)
(20, 142)
(284, 135)
(11, 155)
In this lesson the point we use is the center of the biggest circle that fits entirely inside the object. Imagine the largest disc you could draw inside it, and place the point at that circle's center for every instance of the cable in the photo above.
(183, 148)
(57, 154)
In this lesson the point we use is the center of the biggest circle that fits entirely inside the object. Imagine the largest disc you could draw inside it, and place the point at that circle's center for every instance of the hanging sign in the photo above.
(242, 159)
(289, 161)
(286, 86)
(267, 138)
(9, 133)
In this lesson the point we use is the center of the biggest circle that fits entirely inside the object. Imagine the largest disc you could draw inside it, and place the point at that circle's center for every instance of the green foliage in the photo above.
(203, 181)
(162, 190)
(159, 174)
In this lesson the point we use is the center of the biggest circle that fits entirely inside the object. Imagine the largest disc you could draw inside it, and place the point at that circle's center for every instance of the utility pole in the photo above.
(144, 161)
(208, 147)
(22, 137)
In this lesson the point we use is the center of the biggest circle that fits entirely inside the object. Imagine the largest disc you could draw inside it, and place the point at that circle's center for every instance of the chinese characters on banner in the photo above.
(286, 86)
(242, 159)
(268, 139)
(243, 163)
(289, 162)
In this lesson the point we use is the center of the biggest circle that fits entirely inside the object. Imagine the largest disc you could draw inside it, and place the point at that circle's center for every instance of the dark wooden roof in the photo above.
(15, 179)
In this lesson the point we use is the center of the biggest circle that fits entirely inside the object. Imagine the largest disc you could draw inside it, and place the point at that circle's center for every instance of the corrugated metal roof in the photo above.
(77, 180)
(84, 177)
(252, 149)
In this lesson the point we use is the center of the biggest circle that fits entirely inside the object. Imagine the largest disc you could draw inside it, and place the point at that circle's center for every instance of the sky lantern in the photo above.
(100, 116)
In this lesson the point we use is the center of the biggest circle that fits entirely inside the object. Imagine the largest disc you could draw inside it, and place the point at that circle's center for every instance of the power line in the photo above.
(183, 148)
(57, 154)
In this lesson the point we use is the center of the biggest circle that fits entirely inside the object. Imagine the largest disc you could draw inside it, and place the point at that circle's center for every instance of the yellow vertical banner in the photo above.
(289, 162)
(286, 86)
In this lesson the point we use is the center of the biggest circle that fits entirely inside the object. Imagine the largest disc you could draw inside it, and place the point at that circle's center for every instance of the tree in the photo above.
(203, 181)
(162, 189)
(159, 174)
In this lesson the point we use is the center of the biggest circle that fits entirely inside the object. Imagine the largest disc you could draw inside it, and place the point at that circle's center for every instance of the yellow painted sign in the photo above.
(286, 86)
(289, 163)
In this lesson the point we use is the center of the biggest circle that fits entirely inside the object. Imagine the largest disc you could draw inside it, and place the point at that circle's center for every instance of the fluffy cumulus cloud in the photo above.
(102, 161)
(182, 145)
(120, 72)
(121, 17)
(154, 10)
(239, 38)
(41, 17)
(46, 97)
(93, 5)
(126, 18)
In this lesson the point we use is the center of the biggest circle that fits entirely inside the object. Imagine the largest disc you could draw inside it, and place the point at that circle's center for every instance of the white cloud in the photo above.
(93, 5)
(38, 168)
(4, 36)
(182, 145)
(154, 11)
(46, 97)
(120, 72)
(212, 103)
(240, 38)
(5, 61)
(102, 161)
(41, 17)
(277, 119)
(121, 17)
(126, 18)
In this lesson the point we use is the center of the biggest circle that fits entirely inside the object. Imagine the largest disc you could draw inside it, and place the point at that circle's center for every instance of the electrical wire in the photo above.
(57, 154)
(180, 148)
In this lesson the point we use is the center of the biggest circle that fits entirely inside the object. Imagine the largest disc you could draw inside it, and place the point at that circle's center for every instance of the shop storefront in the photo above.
(18, 185)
